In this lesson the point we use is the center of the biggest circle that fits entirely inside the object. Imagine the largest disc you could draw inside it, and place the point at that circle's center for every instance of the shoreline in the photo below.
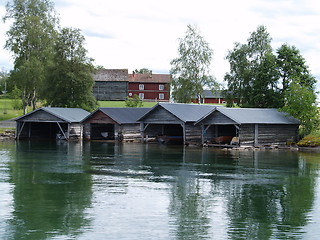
(9, 135)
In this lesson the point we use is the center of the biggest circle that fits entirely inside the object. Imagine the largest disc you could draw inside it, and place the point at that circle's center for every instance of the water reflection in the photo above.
(104, 190)
(51, 191)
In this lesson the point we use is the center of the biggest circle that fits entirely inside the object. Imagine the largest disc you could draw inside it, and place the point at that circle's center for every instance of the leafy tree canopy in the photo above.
(191, 69)
(50, 63)
(143, 70)
(30, 39)
(70, 80)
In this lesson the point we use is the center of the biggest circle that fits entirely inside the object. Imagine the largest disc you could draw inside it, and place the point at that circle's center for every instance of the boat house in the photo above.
(250, 126)
(174, 122)
(114, 124)
(51, 123)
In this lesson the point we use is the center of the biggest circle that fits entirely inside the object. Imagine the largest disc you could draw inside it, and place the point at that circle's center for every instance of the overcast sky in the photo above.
(144, 33)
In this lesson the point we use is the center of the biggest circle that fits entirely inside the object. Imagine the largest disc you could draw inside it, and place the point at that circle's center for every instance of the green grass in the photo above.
(3, 130)
(7, 110)
(122, 104)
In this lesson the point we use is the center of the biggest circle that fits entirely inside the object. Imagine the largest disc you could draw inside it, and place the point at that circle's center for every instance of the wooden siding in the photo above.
(267, 134)
(131, 132)
(193, 134)
(277, 134)
(99, 117)
(217, 118)
(104, 91)
(151, 91)
(214, 100)
(76, 131)
(41, 116)
(247, 134)
(161, 116)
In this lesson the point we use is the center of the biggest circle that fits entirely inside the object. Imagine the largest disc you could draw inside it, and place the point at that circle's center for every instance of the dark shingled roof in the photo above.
(185, 112)
(256, 116)
(67, 114)
(111, 75)
(124, 115)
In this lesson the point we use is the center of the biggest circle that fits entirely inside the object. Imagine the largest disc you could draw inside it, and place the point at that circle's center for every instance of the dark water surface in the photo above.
(98, 190)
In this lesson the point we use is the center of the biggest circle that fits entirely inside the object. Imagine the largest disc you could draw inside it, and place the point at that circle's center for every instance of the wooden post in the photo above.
(29, 133)
(18, 136)
(183, 125)
(62, 131)
(256, 134)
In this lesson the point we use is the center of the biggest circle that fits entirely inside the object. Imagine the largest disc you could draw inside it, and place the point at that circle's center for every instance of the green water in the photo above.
(52, 190)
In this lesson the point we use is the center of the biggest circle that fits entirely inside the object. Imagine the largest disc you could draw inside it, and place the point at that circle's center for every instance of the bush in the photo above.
(312, 140)
(134, 102)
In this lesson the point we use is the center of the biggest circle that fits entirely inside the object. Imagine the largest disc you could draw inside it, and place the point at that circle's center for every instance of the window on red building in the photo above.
(141, 86)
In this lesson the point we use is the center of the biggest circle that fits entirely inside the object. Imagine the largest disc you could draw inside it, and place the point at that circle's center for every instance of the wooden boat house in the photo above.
(174, 122)
(250, 126)
(51, 123)
(114, 124)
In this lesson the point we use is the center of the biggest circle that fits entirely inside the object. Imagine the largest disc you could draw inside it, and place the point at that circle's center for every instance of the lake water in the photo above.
(99, 190)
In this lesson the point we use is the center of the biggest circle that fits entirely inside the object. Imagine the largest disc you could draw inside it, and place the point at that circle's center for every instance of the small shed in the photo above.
(251, 126)
(51, 123)
(173, 121)
(114, 124)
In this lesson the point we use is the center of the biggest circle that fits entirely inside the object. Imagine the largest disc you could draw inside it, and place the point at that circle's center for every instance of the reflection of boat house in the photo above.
(252, 126)
(114, 124)
(51, 123)
(173, 120)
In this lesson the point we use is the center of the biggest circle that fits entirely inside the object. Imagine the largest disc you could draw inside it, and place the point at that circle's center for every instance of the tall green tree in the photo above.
(292, 67)
(300, 102)
(70, 81)
(252, 79)
(191, 69)
(30, 39)
(298, 88)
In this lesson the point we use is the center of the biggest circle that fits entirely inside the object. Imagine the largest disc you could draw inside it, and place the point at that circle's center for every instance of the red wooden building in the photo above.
(149, 87)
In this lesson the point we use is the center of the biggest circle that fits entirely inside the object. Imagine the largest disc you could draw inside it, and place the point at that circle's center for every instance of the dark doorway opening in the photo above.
(170, 134)
(42, 130)
(102, 131)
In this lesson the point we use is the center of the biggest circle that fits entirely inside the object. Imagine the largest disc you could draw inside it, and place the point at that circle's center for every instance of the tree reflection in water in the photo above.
(51, 191)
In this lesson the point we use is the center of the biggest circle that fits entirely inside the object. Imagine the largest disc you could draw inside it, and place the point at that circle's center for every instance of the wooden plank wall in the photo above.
(76, 130)
(217, 118)
(246, 134)
(103, 90)
(268, 134)
(161, 116)
(41, 116)
(131, 132)
(277, 134)
(193, 133)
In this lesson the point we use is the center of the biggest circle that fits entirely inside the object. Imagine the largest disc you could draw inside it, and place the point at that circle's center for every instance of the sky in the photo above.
(145, 33)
